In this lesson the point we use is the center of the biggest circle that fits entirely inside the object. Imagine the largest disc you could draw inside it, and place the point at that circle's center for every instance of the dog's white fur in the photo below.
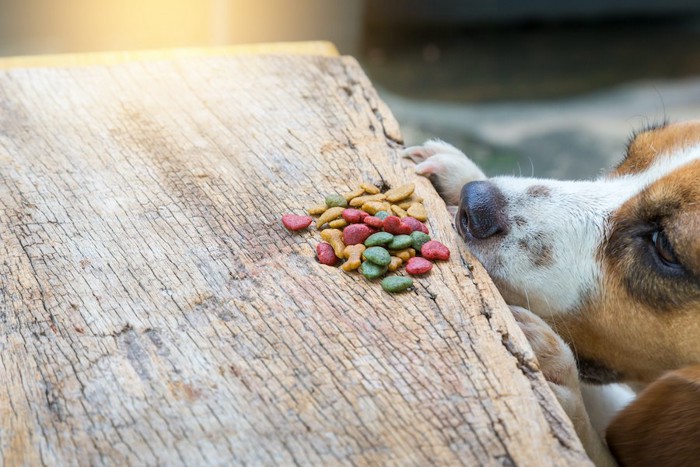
(567, 222)
(574, 216)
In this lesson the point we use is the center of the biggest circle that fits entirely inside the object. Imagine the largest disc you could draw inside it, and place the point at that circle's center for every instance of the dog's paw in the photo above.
(558, 366)
(448, 168)
(556, 360)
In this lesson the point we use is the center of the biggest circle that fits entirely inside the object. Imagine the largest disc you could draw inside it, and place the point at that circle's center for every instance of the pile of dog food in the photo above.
(375, 233)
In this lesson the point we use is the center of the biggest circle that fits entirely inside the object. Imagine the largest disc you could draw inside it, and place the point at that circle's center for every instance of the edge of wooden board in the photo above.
(321, 48)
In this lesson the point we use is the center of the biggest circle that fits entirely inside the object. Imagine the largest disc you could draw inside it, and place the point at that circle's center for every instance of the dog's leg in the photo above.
(559, 369)
(448, 168)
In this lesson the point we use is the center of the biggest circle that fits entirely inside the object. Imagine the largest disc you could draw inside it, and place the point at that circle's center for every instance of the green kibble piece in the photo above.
(419, 239)
(336, 201)
(382, 215)
(377, 255)
(371, 270)
(395, 284)
(400, 242)
(379, 238)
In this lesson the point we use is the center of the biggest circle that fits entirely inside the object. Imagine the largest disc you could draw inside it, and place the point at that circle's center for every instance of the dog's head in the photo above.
(612, 264)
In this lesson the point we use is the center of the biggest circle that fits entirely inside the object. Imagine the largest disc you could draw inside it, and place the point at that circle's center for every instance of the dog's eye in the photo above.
(663, 248)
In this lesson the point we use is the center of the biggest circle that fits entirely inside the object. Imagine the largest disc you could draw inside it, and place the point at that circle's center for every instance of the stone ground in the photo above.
(550, 101)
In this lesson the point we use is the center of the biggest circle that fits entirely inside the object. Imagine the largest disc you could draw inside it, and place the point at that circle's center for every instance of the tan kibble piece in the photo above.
(335, 238)
(405, 204)
(418, 211)
(369, 188)
(412, 252)
(400, 192)
(338, 224)
(353, 253)
(374, 207)
(404, 254)
(316, 210)
(360, 200)
(354, 194)
(395, 264)
(330, 215)
(398, 211)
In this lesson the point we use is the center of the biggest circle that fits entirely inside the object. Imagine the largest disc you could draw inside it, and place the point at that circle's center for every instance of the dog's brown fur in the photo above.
(658, 139)
(646, 322)
(662, 426)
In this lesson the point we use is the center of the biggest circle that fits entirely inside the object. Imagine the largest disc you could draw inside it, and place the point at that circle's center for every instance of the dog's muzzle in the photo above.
(481, 213)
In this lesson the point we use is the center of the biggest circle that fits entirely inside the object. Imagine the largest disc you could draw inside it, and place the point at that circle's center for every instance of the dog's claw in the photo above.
(426, 168)
(417, 154)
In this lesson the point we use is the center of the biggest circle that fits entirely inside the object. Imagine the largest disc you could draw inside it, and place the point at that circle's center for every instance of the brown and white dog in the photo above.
(613, 266)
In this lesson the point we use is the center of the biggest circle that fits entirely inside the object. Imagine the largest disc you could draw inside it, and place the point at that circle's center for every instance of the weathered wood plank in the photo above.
(112, 58)
(154, 311)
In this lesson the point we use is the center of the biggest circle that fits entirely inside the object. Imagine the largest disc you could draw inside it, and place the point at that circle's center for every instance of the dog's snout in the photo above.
(482, 210)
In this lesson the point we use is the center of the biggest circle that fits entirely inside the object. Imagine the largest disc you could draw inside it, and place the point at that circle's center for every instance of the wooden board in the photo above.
(113, 58)
(155, 311)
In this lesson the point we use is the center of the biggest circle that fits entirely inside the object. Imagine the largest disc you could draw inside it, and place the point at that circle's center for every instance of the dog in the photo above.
(613, 266)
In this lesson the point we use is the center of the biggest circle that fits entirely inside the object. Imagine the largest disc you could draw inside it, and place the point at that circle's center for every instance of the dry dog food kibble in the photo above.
(335, 238)
(354, 194)
(294, 222)
(377, 255)
(336, 200)
(398, 211)
(354, 216)
(374, 207)
(378, 239)
(316, 210)
(371, 270)
(435, 250)
(400, 193)
(419, 239)
(369, 188)
(399, 242)
(405, 254)
(405, 204)
(395, 264)
(360, 200)
(338, 224)
(374, 232)
(394, 284)
(328, 215)
(393, 225)
(418, 265)
(415, 224)
(374, 221)
(418, 211)
(356, 233)
(353, 255)
(325, 254)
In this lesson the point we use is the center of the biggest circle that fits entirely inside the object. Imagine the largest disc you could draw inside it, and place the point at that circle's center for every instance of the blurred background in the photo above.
(539, 87)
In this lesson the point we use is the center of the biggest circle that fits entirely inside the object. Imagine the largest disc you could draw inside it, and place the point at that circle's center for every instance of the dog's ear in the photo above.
(661, 426)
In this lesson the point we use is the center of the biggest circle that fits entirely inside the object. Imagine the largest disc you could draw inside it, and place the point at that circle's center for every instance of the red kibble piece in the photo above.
(435, 250)
(375, 222)
(418, 265)
(353, 216)
(393, 225)
(295, 222)
(415, 224)
(356, 233)
(325, 254)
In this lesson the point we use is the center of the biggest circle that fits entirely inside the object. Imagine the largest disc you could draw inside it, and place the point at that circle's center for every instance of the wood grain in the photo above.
(154, 310)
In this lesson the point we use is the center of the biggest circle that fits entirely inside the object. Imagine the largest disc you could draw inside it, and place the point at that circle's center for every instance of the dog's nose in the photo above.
(482, 210)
